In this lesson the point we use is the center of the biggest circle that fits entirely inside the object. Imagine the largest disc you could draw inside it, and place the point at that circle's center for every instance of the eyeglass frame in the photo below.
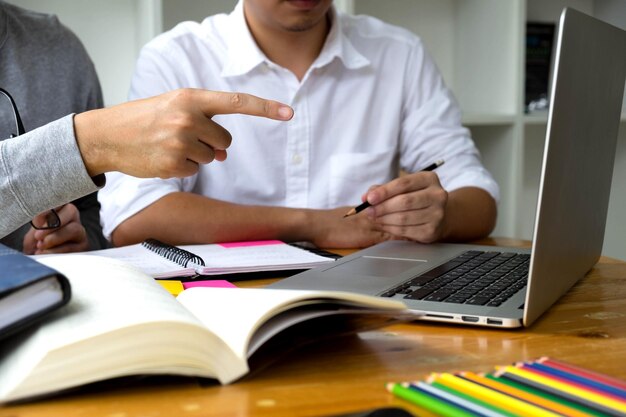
(53, 221)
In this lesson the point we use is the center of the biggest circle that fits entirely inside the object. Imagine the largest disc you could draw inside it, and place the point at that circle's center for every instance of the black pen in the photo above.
(366, 204)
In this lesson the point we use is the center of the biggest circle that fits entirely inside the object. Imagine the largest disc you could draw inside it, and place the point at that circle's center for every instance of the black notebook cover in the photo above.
(539, 47)
(17, 273)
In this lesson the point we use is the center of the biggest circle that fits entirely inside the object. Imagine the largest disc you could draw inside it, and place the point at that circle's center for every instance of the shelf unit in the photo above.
(479, 47)
(477, 44)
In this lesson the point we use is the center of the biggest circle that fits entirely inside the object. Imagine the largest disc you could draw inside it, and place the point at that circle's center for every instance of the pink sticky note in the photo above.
(218, 283)
(251, 243)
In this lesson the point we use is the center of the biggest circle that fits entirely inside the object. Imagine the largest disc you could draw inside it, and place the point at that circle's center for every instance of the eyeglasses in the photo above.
(52, 218)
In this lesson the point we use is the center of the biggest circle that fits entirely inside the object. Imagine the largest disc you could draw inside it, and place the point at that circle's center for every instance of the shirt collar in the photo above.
(244, 54)
(338, 45)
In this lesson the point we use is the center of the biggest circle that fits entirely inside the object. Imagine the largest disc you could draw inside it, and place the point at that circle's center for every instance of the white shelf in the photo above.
(539, 118)
(470, 119)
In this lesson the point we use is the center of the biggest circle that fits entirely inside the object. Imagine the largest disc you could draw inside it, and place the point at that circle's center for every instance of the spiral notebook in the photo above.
(161, 260)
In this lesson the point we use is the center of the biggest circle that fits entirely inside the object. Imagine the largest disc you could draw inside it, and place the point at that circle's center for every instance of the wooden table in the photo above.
(587, 327)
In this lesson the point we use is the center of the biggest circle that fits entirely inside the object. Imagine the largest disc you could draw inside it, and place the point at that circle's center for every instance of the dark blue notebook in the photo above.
(29, 291)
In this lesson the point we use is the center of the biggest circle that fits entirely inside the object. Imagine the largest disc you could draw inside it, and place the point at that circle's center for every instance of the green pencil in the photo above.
(427, 401)
(472, 399)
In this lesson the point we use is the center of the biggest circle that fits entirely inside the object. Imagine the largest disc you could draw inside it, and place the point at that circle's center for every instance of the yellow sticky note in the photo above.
(173, 287)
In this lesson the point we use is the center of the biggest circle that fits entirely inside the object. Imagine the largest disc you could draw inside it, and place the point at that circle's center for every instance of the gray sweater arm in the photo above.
(40, 170)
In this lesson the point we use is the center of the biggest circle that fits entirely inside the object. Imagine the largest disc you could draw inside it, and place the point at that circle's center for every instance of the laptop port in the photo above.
(470, 319)
(439, 316)
(494, 321)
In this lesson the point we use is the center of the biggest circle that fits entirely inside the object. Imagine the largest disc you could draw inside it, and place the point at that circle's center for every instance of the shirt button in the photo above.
(296, 159)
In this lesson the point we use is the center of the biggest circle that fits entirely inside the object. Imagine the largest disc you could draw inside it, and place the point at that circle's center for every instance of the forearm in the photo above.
(57, 177)
(185, 218)
(470, 214)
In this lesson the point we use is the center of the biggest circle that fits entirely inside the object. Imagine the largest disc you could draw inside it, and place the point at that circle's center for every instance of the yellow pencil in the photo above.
(525, 395)
(487, 395)
(590, 396)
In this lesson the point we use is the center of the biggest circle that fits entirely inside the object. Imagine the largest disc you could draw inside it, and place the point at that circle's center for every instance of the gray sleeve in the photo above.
(88, 206)
(40, 170)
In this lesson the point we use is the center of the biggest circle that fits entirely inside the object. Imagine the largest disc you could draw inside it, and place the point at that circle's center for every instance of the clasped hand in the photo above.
(71, 236)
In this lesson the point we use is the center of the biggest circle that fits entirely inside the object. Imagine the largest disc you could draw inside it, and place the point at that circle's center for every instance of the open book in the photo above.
(121, 322)
(161, 260)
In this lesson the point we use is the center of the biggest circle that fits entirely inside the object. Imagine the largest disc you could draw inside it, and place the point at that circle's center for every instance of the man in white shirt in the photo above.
(367, 102)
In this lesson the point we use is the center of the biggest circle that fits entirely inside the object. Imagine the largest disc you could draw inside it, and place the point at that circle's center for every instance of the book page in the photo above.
(253, 256)
(244, 310)
(144, 259)
(108, 296)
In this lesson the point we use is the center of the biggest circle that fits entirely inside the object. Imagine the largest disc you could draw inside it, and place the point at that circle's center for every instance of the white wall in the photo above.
(196, 10)
(113, 31)
(108, 30)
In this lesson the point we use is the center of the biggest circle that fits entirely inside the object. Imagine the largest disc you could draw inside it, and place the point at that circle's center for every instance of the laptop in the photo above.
(511, 287)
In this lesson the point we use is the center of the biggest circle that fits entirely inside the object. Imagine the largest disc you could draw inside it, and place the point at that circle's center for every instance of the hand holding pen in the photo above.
(409, 207)
(367, 204)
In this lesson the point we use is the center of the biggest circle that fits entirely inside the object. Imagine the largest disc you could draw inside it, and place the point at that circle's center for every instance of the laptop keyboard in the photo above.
(474, 277)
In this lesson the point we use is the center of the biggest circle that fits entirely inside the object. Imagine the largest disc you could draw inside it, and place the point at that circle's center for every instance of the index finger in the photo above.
(219, 102)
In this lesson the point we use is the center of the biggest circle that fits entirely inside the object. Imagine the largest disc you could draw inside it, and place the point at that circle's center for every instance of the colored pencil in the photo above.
(456, 400)
(567, 382)
(579, 380)
(524, 395)
(427, 401)
(596, 402)
(584, 393)
(543, 388)
(547, 395)
(585, 373)
(513, 405)
(473, 399)
(590, 404)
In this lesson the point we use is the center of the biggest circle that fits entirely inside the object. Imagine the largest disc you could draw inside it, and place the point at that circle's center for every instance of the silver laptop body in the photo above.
(583, 121)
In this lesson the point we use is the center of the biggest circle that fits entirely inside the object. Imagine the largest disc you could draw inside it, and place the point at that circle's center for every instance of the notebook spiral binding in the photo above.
(173, 253)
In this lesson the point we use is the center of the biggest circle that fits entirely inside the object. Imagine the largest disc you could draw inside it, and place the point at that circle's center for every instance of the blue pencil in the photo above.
(578, 379)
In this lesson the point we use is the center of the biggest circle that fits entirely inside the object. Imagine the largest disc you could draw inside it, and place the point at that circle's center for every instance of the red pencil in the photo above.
(583, 372)
(571, 383)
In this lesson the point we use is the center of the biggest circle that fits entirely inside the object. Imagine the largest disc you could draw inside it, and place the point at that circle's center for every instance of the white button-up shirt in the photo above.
(372, 102)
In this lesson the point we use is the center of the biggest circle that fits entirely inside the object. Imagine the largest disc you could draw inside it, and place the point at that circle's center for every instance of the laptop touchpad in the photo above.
(377, 267)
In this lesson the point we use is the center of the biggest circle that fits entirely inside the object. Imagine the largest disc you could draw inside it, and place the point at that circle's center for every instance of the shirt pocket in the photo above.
(351, 174)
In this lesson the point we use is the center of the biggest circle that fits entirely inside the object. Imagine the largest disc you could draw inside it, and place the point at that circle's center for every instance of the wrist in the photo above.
(87, 131)
(312, 226)
(297, 225)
